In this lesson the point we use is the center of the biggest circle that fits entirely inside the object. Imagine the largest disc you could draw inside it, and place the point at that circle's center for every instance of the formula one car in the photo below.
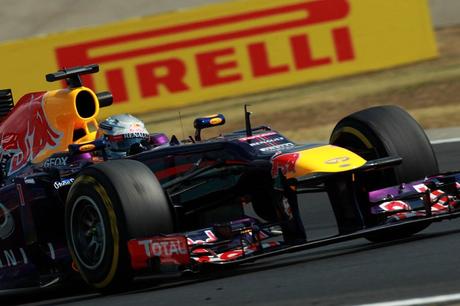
(67, 210)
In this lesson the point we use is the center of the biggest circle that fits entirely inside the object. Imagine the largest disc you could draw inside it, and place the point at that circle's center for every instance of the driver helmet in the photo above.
(121, 132)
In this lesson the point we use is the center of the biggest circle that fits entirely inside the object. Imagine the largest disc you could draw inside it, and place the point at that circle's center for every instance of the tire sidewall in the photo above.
(87, 186)
(386, 130)
(392, 131)
(378, 147)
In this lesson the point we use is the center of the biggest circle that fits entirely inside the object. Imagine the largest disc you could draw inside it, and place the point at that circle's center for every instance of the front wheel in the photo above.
(379, 132)
(107, 205)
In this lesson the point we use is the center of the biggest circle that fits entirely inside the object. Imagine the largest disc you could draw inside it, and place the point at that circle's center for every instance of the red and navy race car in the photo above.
(68, 210)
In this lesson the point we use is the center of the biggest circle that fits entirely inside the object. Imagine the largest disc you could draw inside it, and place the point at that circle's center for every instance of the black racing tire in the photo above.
(384, 131)
(107, 205)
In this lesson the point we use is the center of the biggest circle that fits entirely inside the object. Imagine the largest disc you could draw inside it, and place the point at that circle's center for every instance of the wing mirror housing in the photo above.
(207, 122)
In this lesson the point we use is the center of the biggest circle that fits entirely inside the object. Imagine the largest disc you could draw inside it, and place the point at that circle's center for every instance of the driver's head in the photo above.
(122, 133)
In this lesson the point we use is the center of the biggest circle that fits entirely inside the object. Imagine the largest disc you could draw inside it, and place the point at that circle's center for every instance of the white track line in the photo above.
(448, 140)
(420, 301)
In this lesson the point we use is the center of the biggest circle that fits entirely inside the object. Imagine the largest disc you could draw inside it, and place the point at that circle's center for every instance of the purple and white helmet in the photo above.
(121, 132)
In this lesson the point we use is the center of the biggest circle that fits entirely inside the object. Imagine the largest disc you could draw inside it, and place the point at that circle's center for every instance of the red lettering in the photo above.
(210, 70)
(308, 13)
(302, 53)
(260, 63)
(343, 44)
(116, 84)
(168, 73)
(215, 67)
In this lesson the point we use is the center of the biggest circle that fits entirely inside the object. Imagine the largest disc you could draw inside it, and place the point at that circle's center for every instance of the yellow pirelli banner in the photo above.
(226, 49)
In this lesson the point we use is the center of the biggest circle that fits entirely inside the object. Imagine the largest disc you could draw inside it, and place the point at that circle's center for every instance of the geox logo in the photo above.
(56, 162)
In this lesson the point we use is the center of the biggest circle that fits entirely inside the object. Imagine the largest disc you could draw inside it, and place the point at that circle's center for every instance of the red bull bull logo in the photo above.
(285, 163)
(26, 133)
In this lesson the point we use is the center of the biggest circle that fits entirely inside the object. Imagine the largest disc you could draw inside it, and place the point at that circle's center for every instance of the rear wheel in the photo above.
(107, 205)
(379, 132)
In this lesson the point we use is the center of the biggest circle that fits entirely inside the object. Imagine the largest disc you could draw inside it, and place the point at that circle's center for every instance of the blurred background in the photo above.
(421, 76)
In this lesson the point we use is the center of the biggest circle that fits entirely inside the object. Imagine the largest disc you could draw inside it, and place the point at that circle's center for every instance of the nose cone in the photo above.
(326, 158)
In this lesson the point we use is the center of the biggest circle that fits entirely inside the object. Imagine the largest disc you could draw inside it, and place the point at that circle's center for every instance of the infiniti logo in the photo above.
(337, 160)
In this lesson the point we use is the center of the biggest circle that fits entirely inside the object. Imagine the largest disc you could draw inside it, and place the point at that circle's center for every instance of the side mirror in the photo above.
(207, 122)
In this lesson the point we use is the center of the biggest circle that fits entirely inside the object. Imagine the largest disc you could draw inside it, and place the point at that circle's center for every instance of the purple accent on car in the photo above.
(158, 139)
(381, 194)
(82, 156)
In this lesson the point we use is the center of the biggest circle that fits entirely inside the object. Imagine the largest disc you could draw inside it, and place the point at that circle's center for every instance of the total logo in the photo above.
(164, 248)
(168, 250)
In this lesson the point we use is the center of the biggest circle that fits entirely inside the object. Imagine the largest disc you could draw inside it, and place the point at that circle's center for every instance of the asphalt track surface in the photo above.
(349, 273)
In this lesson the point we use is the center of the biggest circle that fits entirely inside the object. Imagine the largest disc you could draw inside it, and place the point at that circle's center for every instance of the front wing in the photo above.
(245, 240)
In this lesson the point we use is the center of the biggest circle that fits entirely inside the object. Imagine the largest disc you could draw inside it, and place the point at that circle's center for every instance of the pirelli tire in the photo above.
(383, 131)
(107, 205)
